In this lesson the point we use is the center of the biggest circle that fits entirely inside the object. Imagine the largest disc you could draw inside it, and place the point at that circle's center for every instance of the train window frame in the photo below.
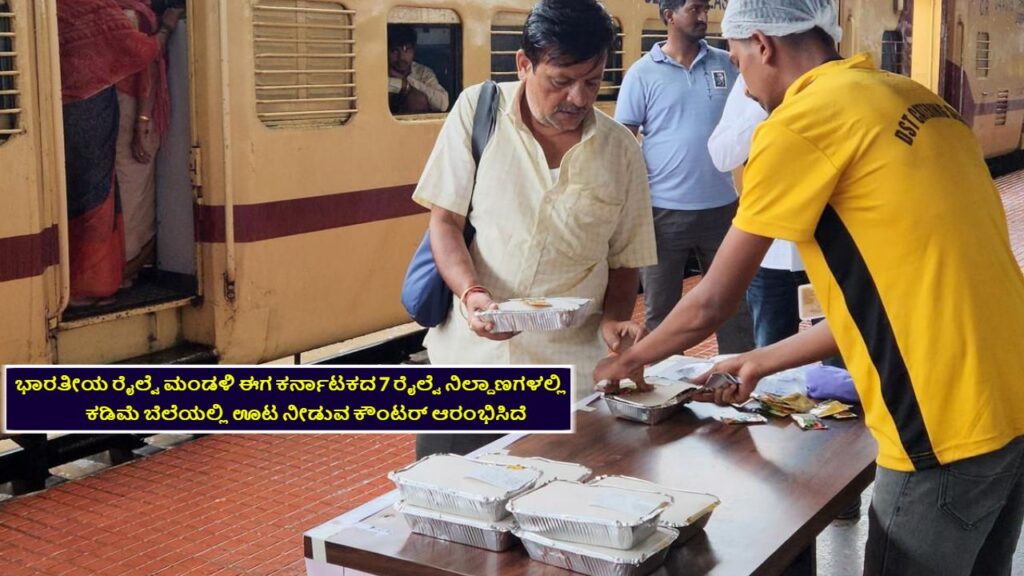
(982, 54)
(10, 109)
(506, 40)
(654, 31)
(1002, 107)
(892, 51)
(428, 20)
(304, 63)
(615, 66)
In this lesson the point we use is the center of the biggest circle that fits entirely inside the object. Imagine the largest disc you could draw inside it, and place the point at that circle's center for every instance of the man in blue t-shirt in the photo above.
(674, 97)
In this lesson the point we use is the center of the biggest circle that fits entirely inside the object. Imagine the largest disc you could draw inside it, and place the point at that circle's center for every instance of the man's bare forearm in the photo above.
(620, 296)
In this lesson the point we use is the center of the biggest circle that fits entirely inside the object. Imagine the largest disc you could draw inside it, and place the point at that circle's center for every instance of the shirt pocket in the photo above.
(583, 221)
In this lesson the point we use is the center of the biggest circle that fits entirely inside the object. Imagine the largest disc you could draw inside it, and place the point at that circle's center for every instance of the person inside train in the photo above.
(413, 88)
(560, 204)
(99, 47)
(145, 109)
(883, 188)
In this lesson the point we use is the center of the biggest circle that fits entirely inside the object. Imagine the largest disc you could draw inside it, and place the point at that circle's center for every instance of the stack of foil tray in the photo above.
(493, 536)
(643, 559)
(463, 486)
(533, 314)
(652, 407)
(550, 469)
(597, 515)
(688, 514)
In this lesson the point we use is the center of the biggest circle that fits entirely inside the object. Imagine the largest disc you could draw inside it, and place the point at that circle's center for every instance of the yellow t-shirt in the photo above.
(883, 188)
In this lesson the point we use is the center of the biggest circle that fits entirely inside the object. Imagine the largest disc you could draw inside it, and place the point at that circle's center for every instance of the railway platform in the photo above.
(239, 504)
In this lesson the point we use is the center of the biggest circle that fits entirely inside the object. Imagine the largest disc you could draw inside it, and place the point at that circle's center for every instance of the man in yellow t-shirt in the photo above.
(882, 186)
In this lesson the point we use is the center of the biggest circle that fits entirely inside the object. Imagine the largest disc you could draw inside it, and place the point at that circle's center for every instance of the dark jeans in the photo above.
(959, 519)
(678, 233)
(772, 298)
(774, 308)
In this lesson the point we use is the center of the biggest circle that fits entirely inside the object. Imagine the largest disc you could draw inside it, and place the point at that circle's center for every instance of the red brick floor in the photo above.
(229, 504)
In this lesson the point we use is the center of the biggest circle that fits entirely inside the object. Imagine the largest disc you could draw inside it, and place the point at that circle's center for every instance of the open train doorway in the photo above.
(132, 241)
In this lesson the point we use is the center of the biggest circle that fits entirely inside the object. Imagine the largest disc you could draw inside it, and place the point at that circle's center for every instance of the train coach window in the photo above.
(424, 60)
(506, 39)
(304, 51)
(9, 111)
(982, 55)
(714, 37)
(892, 51)
(1002, 107)
(614, 69)
(653, 32)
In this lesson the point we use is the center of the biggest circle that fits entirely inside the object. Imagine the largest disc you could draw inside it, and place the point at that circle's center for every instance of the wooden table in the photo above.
(780, 487)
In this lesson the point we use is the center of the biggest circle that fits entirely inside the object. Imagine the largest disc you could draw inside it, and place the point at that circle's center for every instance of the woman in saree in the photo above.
(144, 102)
(99, 47)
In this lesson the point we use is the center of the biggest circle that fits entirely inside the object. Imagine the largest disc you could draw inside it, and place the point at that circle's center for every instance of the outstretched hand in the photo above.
(726, 391)
(620, 337)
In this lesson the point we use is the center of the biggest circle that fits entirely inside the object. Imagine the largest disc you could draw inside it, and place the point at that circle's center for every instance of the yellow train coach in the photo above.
(283, 184)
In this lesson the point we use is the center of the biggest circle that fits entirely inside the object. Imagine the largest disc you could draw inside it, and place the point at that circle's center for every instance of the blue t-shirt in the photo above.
(676, 110)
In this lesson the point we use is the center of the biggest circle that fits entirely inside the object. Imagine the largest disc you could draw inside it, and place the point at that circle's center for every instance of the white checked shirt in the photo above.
(536, 236)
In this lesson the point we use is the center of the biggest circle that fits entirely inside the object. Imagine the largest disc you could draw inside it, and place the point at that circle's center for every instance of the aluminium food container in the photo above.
(679, 368)
(550, 469)
(646, 557)
(493, 536)
(689, 512)
(463, 486)
(519, 315)
(650, 407)
(598, 515)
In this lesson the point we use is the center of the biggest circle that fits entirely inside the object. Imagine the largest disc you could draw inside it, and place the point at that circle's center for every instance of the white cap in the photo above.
(779, 18)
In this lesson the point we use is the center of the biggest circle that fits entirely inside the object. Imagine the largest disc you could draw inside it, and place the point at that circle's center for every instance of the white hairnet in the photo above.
(779, 18)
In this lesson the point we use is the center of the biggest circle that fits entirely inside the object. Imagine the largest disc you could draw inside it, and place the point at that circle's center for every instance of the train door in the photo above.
(30, 258)
(953, 82)
(154, 196)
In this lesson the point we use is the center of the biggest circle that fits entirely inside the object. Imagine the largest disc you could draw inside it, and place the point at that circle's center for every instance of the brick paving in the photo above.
(230, 504)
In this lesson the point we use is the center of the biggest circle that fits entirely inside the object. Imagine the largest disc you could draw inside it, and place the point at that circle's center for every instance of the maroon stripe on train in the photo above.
(29, 255)
(255, 222)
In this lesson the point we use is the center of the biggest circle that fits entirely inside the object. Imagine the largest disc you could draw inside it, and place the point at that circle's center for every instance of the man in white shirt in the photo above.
(772, 295)
(412, 87)
(560, 203)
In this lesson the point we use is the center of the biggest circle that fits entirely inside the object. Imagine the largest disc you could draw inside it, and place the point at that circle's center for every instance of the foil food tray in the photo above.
(597, 515)
(493, 536)
(689, 512)
(679, 368)
(650, 407)
(463, 486)
(519, 315)
(646, 557)
(550, 469)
